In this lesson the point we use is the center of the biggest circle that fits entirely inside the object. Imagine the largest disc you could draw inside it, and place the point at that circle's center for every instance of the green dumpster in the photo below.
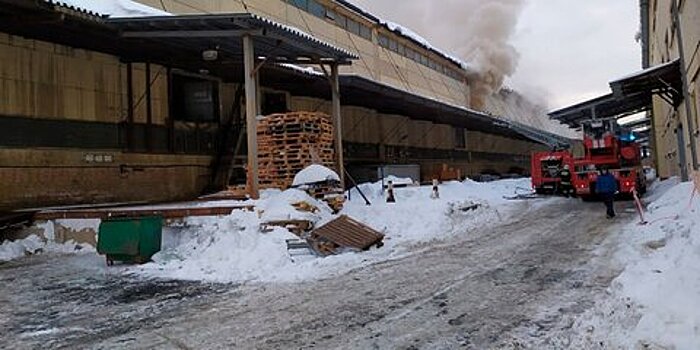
(132, 240)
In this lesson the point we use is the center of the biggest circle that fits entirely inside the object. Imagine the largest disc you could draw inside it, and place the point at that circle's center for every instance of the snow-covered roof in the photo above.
(110, 8)
(646, 71)
(404, 32)
(415, 37)
(303, 34)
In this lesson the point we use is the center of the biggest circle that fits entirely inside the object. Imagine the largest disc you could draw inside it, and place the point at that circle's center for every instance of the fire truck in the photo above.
(545, 169)
(607, 145)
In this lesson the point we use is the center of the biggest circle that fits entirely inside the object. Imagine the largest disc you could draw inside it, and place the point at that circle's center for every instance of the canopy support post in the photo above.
(251, 113)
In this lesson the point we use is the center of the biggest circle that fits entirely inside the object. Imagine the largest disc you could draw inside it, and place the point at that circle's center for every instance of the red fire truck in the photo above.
(545, 169)
(606, 145)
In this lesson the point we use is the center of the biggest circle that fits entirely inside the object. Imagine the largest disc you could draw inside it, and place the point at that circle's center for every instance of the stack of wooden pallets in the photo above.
(289, 142)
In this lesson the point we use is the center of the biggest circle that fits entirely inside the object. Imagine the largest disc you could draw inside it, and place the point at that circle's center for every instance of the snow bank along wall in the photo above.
(663, 47)
(66, 135)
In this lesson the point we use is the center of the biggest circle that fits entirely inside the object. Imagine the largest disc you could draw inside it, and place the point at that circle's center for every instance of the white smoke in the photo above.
(479, 31)
(486, 45)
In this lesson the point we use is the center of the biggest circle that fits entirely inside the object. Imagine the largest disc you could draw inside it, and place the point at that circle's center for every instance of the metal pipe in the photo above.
(686, 96)
(644, 15)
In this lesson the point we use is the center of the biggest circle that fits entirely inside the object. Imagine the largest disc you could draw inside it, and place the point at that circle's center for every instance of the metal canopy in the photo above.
(607, 106)
(664, 79)
(224, 32)
(638, 123)
(630, 95)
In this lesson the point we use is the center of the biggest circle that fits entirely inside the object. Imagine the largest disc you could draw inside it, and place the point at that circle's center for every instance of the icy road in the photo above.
(509, 286)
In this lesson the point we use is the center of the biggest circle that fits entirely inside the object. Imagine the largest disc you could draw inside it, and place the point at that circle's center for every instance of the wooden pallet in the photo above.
(289, 142)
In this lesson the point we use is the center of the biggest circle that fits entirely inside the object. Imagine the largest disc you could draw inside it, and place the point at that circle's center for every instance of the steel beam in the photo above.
(229, 33)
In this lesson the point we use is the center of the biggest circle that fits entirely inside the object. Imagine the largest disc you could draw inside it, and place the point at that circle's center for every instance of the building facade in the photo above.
(83, 122)
(674, 129)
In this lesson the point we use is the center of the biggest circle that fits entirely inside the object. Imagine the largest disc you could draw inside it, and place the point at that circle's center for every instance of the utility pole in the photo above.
(690, 121)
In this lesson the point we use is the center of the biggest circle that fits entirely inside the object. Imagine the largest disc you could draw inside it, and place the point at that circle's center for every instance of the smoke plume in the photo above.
(478, 31)
(486, 46)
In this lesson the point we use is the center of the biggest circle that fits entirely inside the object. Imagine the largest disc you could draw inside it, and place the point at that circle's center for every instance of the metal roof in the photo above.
(630, 95)
(661, 79)
(363, 92)
(638, 123)
(607, 106)
(275, 41)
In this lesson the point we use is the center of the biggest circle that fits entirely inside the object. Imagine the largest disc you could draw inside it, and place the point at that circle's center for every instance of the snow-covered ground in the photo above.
(233, 249)
(34, 244)
(655, 302)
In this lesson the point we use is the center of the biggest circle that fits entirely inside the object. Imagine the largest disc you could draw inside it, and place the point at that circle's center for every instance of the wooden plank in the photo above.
(166, 213)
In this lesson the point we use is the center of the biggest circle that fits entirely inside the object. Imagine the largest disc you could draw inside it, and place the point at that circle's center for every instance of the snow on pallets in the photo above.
(289, 142)
(341, 233)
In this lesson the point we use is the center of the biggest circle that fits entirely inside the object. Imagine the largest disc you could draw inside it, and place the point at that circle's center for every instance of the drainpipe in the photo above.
(644, 15)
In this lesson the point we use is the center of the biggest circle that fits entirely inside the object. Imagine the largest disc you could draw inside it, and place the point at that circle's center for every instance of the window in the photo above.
(424, 59)
(432, 64)
(460, 139)
(383, 41)
(353, 27)
(365, 32)
(402, 50)
(330, 14)
(195, 99)
(317, 9)
(393, 45)
(274, 102)
(302, 4)
(341, 21)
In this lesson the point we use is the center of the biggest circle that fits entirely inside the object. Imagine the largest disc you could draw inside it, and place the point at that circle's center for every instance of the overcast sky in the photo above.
(569, 49)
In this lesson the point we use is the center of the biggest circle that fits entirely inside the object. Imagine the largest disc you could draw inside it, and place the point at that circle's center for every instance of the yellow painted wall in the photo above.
(663, 48)
(45, 80)
(375, 62)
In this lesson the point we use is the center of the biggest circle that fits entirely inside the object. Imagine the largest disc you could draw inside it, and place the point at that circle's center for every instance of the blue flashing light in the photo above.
(631, 137)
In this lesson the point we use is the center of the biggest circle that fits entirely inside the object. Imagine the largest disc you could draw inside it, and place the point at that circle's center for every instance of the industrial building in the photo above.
(671, 33)
(102, 108)
(665, 92)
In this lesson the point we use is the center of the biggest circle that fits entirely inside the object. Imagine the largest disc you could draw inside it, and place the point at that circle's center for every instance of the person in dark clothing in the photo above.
(606, 188)
(565, 186)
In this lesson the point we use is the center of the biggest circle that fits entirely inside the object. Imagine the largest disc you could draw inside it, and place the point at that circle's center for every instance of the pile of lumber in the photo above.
(289, 142)
(330, 192)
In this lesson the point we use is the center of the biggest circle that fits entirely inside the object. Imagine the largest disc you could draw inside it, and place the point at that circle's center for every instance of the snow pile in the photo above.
(415, 217)
(112, 8)
(232, 248)
(653, 303)
(34, 244)
(314, 173)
